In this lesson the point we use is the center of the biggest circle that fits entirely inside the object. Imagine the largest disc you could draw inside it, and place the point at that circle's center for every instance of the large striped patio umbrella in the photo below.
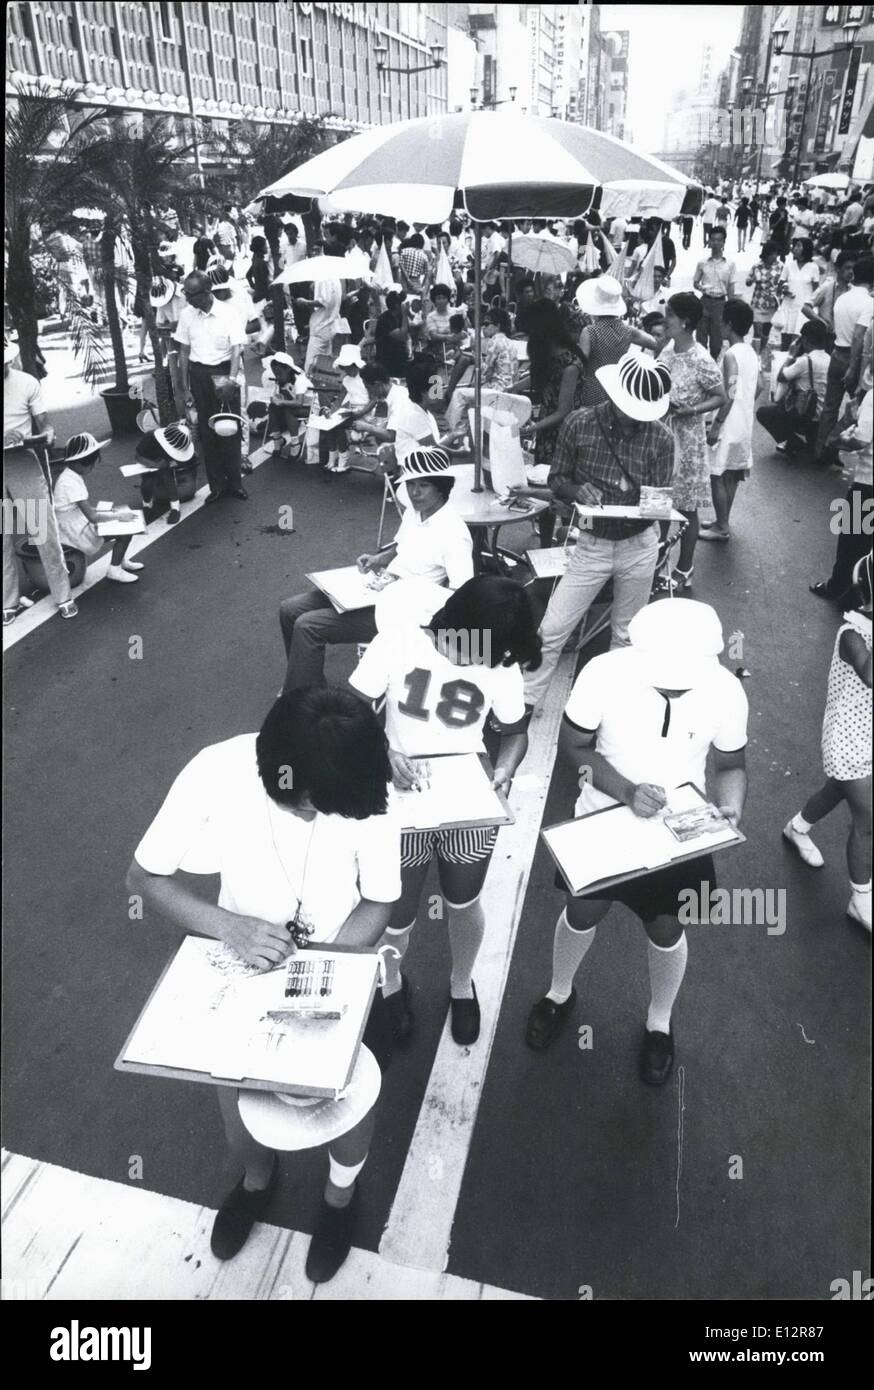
(496, 165)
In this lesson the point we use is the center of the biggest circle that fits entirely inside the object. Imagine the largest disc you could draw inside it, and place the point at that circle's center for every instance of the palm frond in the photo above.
(89, 341)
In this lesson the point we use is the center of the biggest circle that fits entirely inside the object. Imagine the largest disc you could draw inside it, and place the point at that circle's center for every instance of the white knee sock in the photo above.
(568, 949)
(467, 926)
(667, 966)
(860, 887)
(399, 938)
(803, 826)
(342, 1174)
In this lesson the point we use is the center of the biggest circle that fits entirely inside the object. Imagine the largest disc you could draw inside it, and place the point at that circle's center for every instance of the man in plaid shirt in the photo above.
(415, 266)
(602, 457)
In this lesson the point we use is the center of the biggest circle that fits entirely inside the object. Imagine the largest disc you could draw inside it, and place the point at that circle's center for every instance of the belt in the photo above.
(715, 296)
(205, 367)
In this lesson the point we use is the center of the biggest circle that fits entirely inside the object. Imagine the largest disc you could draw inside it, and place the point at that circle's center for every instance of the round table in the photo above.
(485, 516)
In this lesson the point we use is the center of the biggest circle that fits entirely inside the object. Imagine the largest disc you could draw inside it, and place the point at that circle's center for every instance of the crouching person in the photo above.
(310, 856)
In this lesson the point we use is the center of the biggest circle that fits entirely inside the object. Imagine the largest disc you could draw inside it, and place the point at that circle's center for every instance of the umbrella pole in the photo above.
(477, 361)
(510, 264)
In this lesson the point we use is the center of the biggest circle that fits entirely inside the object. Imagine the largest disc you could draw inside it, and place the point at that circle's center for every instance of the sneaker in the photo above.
(656, 1057)
(398, 1012)
(546, 1021)
(68, 610)
(173, 516)
(121, 576)
(332, 1240)
(806, 848)
(342, 464)
(133, 565)
(465, 1020)
(237, 1215)
(9, 616)
(859, 909)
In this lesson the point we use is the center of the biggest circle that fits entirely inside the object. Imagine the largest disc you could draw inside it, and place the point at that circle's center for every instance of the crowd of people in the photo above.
(644, 398)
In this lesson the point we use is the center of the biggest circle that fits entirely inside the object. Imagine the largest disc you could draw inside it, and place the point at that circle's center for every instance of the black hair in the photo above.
(863, 270)
(455, 227)
(501, 318)
(416, 241)
(719, 230)
(440, 289)
(457, 322)
(374, 373)
(769, 248)
(419, 378)
(738, 315)
(806, 246)
(500, 610)
(688, 307)
(546, 330)
(650, 321)
(814, 334)
(443, 485)
(324, 744)
(433, 229)
(258, 246)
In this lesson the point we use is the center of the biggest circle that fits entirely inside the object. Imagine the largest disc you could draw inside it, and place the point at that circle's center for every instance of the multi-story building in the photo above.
(230, 61)
(502, 42)
(617, 41)
(542, 24)
(569, 58)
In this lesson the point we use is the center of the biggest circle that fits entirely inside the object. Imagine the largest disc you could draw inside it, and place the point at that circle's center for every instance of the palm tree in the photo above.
(45, 137)
(260, 154)
(128, 175)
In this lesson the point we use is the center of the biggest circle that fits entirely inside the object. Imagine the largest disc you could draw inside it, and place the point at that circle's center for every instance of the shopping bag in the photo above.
(506, 459)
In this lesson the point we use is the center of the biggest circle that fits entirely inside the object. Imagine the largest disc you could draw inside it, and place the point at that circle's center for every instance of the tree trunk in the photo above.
(21, 301)
(116, 336)
(277, 299)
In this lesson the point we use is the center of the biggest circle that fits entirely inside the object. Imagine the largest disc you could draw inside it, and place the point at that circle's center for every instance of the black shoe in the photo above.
(398, 1012)
(465, 1019)
(247, 467)
(546, 1021)
(656, 1057)
(173, 516)
(237, 1215)
(213, 497)
(822, 589)
(238, 492)
(332, 1240)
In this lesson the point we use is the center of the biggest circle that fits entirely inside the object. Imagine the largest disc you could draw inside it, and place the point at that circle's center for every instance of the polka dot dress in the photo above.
(846, 725)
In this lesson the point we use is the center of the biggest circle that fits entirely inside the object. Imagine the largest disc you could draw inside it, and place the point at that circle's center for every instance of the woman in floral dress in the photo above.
(696, 390)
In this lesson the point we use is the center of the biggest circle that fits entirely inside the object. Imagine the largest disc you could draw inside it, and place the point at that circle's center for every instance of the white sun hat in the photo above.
(639, 385)
(176, 442)
(679, 641)
(287, 1123)
(349, 356)
(601, 298)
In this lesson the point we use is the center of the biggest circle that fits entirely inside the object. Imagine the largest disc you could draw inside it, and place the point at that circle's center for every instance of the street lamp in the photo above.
(489, 105)
(850, 28)
(381, 53)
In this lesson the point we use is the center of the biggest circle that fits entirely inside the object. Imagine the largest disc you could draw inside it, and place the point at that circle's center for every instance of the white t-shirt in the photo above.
(218, 819)
(610, 695)
(850, 308)
(74, 528)
(210, 336)
(22, 400)
(432, 705)
(708, 211)
(439, 549)
(410, 422)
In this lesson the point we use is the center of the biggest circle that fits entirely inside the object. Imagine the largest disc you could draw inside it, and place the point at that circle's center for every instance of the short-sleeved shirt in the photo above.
(817, 372)
(74, 527)
(715, 277)
(210, 336)
(410, 422)
(218, 819)
(432, 705)
(587, 450)
(439, 548)
(499, 363)
(647, 737)
(22, 400)
(849, 308)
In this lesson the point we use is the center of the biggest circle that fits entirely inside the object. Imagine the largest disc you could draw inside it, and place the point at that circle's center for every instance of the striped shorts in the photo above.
(452, 846)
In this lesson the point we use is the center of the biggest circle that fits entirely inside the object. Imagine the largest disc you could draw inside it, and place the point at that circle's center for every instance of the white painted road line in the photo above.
(419, 1228)
(68, 1236)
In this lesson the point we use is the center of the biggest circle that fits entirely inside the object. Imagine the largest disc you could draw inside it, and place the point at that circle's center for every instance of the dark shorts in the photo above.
(656, 894)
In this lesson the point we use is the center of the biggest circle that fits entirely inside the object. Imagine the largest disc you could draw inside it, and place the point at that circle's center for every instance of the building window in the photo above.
(166, 21)
(305, 57)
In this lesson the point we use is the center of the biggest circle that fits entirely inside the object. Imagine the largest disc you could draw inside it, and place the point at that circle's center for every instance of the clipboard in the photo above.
(551, 562)
(703, 845)
(192, 957)
(626, 513)
(502, 815)
(346, 588)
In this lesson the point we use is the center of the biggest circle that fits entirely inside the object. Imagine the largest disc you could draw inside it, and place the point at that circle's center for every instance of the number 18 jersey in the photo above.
(432, 705)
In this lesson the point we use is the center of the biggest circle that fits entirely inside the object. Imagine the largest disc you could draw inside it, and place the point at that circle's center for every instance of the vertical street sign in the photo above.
(849, 92)
(828, 87)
